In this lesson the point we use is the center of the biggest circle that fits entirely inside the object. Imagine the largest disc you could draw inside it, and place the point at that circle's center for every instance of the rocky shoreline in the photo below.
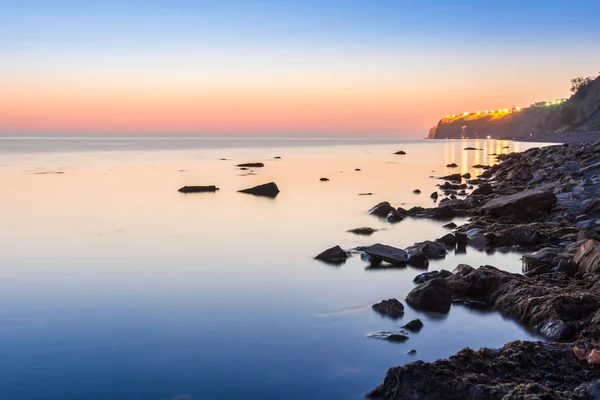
(546, 202)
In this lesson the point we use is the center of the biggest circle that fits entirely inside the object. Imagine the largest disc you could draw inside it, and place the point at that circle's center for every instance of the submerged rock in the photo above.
(267, 190)
(333, 255)
(363, 231)
(433, 295)
(391, 336)
(198, 189)
(391, 308)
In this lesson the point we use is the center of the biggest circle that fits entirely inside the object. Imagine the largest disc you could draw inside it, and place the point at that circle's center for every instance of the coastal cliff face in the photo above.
(580, 113)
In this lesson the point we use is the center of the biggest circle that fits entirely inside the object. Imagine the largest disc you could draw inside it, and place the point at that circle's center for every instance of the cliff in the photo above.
(579, 113)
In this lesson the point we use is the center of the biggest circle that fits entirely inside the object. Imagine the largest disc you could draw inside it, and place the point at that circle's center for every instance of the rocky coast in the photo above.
(544, 202)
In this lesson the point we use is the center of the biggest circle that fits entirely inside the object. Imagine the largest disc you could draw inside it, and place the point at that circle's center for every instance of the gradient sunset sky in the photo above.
(282, 67)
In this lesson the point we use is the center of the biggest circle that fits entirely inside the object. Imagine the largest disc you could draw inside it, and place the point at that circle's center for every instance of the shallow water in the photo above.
(116, 286)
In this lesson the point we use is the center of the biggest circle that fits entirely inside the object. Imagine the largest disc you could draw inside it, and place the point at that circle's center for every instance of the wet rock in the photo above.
(333, 255)
(418, 259)
(452, 165)
(277, 158)
(412, 352)
(390, 308)
(324, 179)
(484, 190)
(198, 189)
(401, 152)
(414, 326)
(466, 175)
(391, 336)
(461, 238)
(432, 250)
(541, 261)
(395, 216)
(357, 169)
(385, 253)
(518, 370)
(448, 239)
(427, 276)
(417, 191)
(587, 257)
(433, 295)
(382, 209)
(363, 231)
(452, 177)
(526, 205)
(434, 195)
(471, 148)
(251, 165)
(267, 190)
(450, 225)
(463, 269)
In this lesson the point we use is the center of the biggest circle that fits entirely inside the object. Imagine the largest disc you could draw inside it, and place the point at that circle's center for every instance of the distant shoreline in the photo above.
(566, 137)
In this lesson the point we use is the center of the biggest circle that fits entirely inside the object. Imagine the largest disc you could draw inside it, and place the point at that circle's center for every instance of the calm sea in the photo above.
(116, 286)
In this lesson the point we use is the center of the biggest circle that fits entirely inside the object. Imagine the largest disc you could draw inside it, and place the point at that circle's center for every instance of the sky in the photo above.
(364, 68)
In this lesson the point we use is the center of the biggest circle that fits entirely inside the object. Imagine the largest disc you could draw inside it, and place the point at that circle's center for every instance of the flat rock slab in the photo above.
(527, 204)
(251, 165)
(198, 189)
(267, 190)
(385, 253)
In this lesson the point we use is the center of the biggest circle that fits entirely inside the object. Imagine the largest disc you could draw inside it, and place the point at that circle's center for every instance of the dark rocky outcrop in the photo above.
(251, 165)
(433, 295)
(432, 250)
(267, 190)
(198, 189)
(529, 204)
(333, 255)
(390, 308)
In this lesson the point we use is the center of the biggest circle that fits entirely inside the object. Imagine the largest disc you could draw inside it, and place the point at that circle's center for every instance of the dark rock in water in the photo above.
(363, 231)
(357, 169)
(452, 165)
(466, 175)
(461, 238)
(277, 158)
(452, 177)
(268, 190)
(481, 166)
(471, 148)
(382, 209)
(418, 259)
(484, 190)
(395, 216)
(391, 336)
(244, 169)
(427, 276)
(385, 253)
(432, 250)
(414, 326)
(433, 295)
(526, 205)
(412, 352)
(450, 225)
(391, 308)
(401, 152)
(324, 179)
(448, 239)
(333, 255)
(463, 269)
(417, 191)
(434, 195)
(198, 189)
(366, 194)
(251, 165)
(518, 370)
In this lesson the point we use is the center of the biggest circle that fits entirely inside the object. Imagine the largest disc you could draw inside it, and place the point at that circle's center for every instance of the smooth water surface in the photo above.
(116, 286)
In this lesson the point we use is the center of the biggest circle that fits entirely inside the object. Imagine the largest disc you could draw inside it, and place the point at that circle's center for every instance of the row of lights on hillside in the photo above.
(505, 111)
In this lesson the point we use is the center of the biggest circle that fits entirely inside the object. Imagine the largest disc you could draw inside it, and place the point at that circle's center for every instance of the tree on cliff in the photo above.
(580, 82)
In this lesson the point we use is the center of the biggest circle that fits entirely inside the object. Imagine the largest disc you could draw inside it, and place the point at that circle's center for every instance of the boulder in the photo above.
(267, 190)
(333, 255)
(433, 295)
(432, 250)
(395, 216)
(385, 253)
(198, 189)
(448, 239)
(587, 257)
(418, 259)
(525, 205)
(390, 308)
(251, 165)
(466, 175)
(414, 326)
(485, 189)
(417, 191)
(427, 276)
(434, 195)
(382, 209)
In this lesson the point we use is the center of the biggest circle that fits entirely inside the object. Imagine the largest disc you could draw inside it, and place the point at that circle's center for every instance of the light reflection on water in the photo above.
(114, 285)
